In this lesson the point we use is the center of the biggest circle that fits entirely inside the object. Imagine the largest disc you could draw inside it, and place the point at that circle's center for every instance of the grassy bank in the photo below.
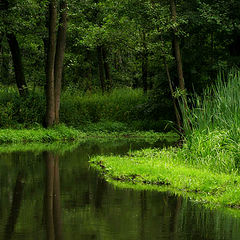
(164, 170)
(206, 167)
(61, 133)
(58, 133)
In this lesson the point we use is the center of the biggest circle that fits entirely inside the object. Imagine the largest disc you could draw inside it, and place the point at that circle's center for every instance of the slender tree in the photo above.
(101, 68)
(50, 111)
(60, 49)
(144, 63)
(16, 55)
(106, 69)
(55, 57)
(177, 47)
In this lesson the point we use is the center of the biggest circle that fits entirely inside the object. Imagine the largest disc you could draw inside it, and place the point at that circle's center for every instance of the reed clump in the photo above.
(212, 125)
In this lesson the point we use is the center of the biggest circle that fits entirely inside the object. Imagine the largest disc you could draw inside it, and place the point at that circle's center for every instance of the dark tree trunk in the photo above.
(50, 110)
(144, 64)
(60, 49)
(17, 63)
(178, 118)
(177, 47)
(144, 73)
(106, 69)
(101, 68)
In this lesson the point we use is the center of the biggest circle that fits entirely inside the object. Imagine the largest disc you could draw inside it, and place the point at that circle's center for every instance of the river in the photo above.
(46, 195)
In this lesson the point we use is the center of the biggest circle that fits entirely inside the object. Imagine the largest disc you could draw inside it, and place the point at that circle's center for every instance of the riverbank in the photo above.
(205, 172)
(62, 133)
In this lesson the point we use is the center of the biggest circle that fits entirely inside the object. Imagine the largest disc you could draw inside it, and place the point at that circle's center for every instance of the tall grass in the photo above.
(218, 107)
(212, 125)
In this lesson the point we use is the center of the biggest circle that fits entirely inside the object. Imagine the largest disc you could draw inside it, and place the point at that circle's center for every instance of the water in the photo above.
(45, 196)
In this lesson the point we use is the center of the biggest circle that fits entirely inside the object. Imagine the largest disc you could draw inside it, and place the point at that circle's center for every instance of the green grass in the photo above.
(41, 138)
(58, 133)
(217, 109)
(162, 169)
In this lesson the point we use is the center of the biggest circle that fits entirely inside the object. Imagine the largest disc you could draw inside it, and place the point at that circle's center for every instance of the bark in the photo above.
(60, 49)
(50, 110)
(177, 47)
(106, 69)
(101, 68)
(17, 63)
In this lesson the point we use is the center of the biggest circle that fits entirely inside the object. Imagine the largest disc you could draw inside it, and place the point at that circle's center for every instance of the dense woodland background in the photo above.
(111, 44)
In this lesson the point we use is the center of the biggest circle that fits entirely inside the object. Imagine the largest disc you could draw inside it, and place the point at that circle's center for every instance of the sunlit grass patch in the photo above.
(162, 168)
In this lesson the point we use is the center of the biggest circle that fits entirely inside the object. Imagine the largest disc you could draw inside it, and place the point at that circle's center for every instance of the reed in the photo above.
(212, 125)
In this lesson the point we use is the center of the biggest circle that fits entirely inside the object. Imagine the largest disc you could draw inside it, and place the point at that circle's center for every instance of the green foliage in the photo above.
(15, 110)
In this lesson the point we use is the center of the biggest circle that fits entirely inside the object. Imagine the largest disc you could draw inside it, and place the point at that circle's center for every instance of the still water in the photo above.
(46, 196)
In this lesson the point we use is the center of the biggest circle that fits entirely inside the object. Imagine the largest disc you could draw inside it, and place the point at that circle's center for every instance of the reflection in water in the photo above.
(174, 221)
(52, 197)
(16, 204)
(90, 207)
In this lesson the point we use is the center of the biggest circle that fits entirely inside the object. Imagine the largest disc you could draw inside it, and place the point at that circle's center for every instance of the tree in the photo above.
(177, 47)
(15, 52)
(55, 57)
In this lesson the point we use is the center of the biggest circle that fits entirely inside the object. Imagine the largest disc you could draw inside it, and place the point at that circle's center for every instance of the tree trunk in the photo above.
(101, 68)
(178, 118)
(177, 47)
(106, 69)
(60, 49)
(5, 65)
(50, 110)
(144, 64)
(17, 63)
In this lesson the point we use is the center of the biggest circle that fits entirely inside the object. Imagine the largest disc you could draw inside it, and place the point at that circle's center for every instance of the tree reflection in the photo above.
(52, 197)
(16, 204)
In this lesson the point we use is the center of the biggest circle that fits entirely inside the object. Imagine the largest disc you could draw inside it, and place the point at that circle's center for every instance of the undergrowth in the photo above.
(79, 109)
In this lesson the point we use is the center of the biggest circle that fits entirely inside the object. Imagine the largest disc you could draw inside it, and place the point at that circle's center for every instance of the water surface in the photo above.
(47, 196)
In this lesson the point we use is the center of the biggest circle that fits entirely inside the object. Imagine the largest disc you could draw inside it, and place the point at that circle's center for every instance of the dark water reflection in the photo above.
(46, 196)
